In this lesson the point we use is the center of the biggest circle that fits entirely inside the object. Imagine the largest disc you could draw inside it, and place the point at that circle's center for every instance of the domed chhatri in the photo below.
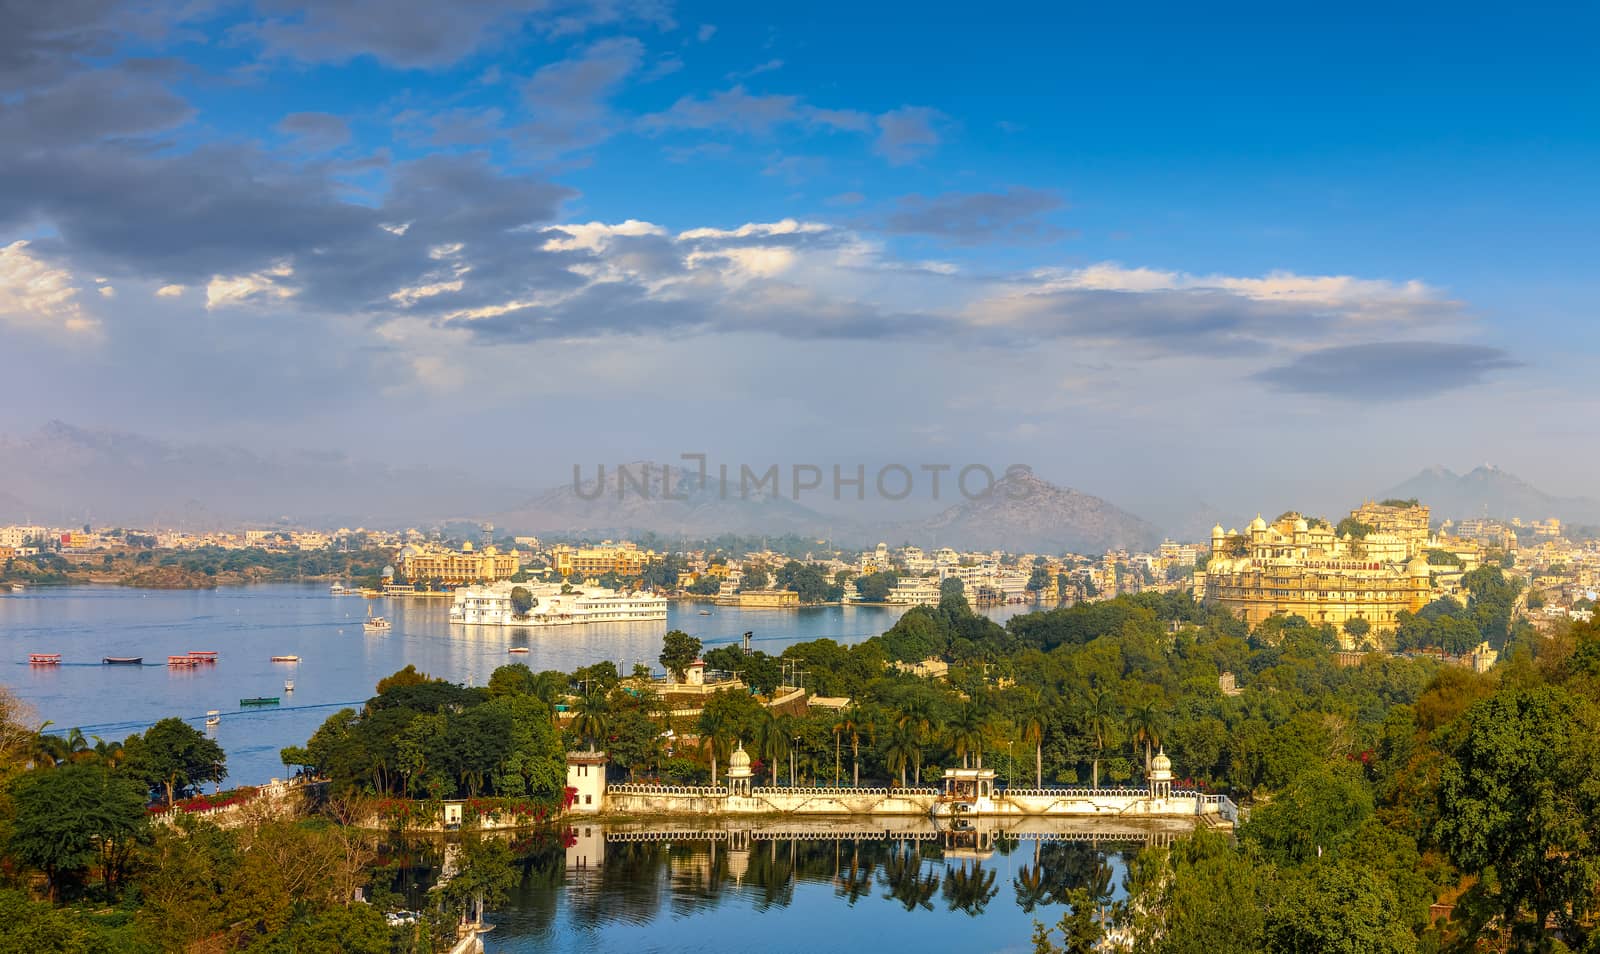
(1161, 775)
(739, 774)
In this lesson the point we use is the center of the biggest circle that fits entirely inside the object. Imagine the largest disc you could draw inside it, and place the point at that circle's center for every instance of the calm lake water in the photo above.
(849, 889)
(339, 664)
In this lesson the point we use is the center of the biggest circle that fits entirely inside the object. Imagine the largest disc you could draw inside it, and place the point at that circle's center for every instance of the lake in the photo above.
(846, 888)
(340, 665)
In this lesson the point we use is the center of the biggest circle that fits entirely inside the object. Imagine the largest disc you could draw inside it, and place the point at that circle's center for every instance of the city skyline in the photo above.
(1104, 248)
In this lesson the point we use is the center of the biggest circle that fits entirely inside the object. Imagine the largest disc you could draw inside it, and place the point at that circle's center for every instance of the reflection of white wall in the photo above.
(588, 848)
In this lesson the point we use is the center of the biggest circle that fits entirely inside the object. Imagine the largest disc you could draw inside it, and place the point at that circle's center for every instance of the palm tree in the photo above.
(1145, 726)
(854, 723)
(1100, 717)
(903, 747)
(917, 718)
(716, 736)
(966, 735)
(593, 719)
(772, 741)
(1033, 733)
(108, 752)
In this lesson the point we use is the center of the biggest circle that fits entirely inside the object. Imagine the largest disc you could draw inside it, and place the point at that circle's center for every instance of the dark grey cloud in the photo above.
(89, 107)
(1383, 371)
(42, 40)
(426, 33)
(969, 218)
(739, 111)
(315, 132)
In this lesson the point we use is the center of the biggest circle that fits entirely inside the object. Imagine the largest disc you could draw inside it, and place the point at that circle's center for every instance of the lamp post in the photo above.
(1011, 767)
(794, 746)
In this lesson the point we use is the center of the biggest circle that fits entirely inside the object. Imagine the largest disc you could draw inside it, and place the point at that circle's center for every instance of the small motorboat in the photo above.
(205, 656)
(517, 649)
(123, 661)
(213, 716)
(336, 589)
(182, 662)
(288, 685)
(705, 612)
(287, 659)
(375, 624)
(44, 659)
(259, 701)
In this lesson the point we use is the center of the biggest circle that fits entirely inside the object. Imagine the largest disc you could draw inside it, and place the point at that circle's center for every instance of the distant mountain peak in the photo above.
(1023, 512)
(1489, 491)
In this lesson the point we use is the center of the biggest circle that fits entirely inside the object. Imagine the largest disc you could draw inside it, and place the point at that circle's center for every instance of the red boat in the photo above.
(44, 659)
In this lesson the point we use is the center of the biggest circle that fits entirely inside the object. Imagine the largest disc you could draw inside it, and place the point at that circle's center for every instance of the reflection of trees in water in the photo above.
(903, 876)
(772, 869)
(638, 881)
(969, 889)
(1061, 867)
(698, 873)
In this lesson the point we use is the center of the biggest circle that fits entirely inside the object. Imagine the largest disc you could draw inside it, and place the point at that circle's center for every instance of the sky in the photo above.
(1251, 257)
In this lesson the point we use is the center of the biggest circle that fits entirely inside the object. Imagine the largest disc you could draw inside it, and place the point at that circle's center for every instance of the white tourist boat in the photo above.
(554, 605)
(375, 624)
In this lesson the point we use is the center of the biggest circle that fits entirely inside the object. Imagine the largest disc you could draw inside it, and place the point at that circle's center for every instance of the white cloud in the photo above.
(169, 291)
(35, 294)
(228, 290)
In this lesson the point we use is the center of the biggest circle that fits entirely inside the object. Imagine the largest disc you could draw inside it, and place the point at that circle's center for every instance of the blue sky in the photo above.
(1248, 257)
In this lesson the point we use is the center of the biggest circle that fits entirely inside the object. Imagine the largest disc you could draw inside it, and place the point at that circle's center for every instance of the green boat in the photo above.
(260, 701)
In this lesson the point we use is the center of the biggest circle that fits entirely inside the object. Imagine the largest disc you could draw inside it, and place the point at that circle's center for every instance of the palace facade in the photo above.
(1296, 567)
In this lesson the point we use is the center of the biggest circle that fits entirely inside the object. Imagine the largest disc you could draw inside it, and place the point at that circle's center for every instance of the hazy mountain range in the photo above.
(62, 474)
(1488, 491)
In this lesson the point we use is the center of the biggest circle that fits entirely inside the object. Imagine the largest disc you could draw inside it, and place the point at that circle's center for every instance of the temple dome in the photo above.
(1161, 766)
(739, 759)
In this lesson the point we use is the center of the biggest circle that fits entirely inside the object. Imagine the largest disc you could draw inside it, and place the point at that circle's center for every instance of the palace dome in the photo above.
(740, 759)
(1258, 523)
(1161, 766)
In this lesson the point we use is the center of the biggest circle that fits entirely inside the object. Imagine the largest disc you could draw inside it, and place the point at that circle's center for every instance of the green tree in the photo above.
(1357, 629)
(39, 928)
(173, 757)
(521, 601)
(69, 819)
(1319, 811)
(678, 651)
(753, 577)
(1101, 715)
(874, 587)
(1517, 799)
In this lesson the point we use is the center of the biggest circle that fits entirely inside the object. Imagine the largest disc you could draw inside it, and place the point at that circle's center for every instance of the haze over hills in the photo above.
(1488, 491)
(669, 500)
(1022, 512)
(63, 474)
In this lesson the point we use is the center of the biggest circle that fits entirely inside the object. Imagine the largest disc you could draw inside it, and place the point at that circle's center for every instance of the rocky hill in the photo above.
(1488, 491)
(1022, 512)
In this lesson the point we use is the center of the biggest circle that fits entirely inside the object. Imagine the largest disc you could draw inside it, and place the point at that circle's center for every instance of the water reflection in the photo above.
(804, 887)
